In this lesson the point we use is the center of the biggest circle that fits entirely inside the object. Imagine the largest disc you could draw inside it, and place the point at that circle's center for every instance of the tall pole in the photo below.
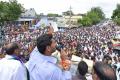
(70, 12)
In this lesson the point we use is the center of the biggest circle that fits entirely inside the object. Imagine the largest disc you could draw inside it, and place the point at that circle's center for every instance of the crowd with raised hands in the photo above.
(35, 49)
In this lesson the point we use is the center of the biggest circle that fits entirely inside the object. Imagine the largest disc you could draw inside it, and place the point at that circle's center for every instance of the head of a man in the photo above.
(102, 71)
(12, 49)
(107, 59)
(46, 44)
(82, 68)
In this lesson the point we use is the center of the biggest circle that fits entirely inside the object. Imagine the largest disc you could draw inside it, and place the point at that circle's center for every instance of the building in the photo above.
(29, 13)
(61, 21)
(28, 18)
(72, 21)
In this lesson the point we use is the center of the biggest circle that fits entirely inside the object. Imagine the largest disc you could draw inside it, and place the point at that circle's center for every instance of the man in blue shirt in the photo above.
(41, 65)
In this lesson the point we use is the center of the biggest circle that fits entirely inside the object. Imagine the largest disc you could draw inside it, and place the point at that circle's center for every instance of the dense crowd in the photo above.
(93, 43)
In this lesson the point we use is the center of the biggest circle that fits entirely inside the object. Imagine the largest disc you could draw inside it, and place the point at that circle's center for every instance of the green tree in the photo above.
(116, 15)
(3, 11)
(10, 11)
(117, 21)
(98, 12)
(116, 12)
(53, 15)
(86, 21)
(94, 16)
(14, 10)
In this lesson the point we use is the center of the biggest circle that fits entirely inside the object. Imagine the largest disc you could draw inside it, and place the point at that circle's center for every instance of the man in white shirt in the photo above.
(41, 65)
(11, 67)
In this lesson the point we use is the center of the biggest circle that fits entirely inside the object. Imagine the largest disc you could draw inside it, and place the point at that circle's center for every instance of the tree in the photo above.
(99, 12)
(117, 21)
(10, 11)
(94, 16)
(14, 10)
(116, 12)
(53, 15)
(85, 21)
(116, 15)
(3, 11)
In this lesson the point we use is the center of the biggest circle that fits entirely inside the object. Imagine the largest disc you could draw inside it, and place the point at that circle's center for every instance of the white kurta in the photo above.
(44, 68)
(11, 69)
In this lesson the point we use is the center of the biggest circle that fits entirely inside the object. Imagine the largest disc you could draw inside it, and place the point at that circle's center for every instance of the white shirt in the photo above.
(11, 69)
(118, 75)
(44, 68)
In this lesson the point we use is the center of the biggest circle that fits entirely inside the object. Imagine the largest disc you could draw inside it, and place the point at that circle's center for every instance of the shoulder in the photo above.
(11, 67)
(10, 63)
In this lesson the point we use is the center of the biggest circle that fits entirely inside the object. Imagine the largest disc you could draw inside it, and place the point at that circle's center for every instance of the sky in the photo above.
(78, 6)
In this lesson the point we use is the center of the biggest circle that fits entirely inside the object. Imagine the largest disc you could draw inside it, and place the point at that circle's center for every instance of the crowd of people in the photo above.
(93, 43)
(26, 38)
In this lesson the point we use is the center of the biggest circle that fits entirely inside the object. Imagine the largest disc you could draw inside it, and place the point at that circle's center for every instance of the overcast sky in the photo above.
(78, 6)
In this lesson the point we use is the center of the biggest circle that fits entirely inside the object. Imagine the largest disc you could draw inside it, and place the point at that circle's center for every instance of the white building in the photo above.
(61, 21)
(29, 13)
(73, 20)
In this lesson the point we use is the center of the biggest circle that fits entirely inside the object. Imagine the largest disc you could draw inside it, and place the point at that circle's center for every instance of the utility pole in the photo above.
(70, 12)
